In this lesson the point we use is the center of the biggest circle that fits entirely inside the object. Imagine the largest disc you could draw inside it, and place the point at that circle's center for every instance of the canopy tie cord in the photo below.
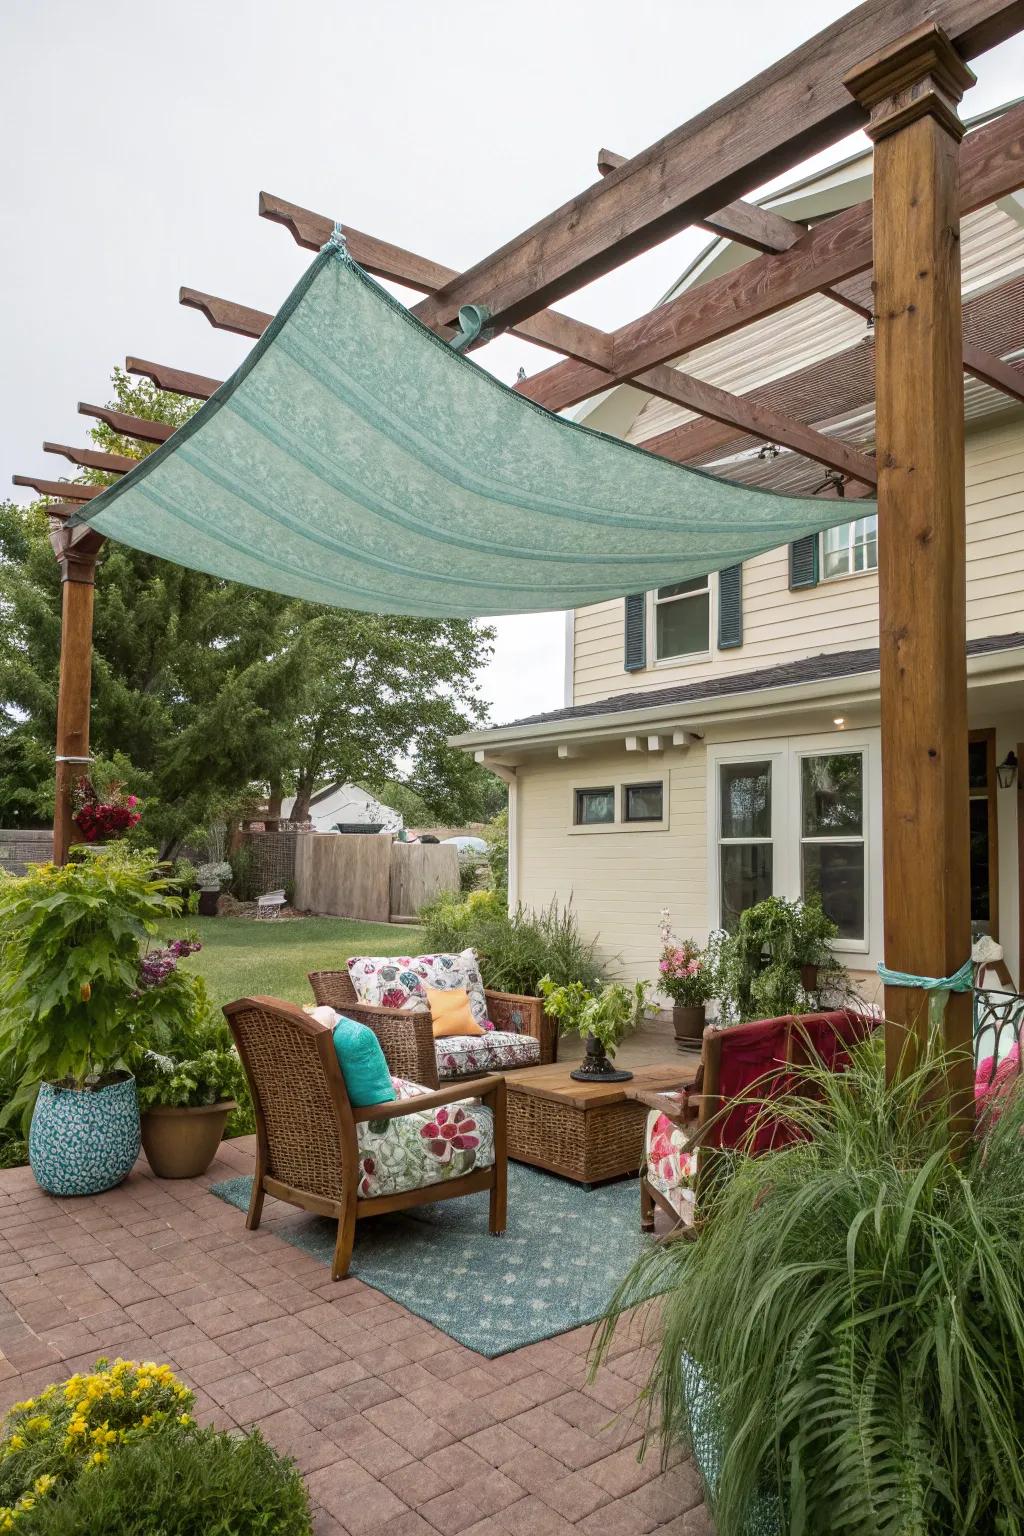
(472, 320)
(939, 986)
(336, 242)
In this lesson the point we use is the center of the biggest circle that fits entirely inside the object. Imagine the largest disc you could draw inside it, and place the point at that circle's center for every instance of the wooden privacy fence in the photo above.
(369, 876)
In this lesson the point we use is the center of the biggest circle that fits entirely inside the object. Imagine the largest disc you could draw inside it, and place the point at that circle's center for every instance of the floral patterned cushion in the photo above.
(498, 1051)
(401, 981)
(415, 1150)
(670, 1170)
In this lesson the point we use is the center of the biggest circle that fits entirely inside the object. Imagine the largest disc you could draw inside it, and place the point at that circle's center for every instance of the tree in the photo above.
(204, 690)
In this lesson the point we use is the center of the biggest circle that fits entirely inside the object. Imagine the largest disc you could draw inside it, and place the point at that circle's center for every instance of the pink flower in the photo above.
(449, 1132)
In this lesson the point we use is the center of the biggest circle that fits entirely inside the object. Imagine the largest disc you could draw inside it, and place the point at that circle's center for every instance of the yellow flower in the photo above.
(99, 1457)
(16, 1443)
(147, 1419)
(37, 1425)
(184, 1418)
(20, 1407)
(77, 1426)
(44, 1484)
(25, 1502)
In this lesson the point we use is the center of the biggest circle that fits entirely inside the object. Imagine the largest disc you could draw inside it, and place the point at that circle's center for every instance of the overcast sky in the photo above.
(138, 136)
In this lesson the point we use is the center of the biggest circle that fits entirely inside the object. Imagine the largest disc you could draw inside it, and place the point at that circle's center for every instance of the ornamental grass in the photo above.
(856, 1300)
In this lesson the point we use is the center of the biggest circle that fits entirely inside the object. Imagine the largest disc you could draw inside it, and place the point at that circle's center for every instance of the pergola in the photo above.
(897, 69)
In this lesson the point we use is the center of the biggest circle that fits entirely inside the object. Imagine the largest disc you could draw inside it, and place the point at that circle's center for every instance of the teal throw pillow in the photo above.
(362, 1064)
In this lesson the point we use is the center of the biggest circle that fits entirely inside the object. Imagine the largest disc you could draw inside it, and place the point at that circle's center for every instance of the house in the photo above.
(345, 805)
(720, 739)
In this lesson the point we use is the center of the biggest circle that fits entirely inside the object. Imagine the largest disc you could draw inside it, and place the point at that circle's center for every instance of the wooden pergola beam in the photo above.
(128, 426)
(992, 164)
(766, 126)
(594, 345)
(760, 228)
(92, 458)
(196, 385)
(224, 314)
(816, 383)
(62, 489)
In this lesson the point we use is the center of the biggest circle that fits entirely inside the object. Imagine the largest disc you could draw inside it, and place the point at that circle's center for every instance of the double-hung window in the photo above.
(832, 862)
(851, 549)
(793, 822)
(682, 619)
(746, 849)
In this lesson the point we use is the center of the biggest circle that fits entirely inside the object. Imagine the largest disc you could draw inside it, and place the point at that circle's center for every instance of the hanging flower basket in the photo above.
(99, 820)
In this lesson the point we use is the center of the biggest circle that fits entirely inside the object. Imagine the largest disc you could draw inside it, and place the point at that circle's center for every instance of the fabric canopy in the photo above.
(355, 459)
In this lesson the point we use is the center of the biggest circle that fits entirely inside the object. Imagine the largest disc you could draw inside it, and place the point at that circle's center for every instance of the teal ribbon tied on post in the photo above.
(939, 986)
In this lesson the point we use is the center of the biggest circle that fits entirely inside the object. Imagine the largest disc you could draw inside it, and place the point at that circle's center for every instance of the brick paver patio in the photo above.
(399, 1431)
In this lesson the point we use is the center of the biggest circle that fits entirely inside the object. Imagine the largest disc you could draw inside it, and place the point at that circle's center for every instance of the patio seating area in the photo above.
(397, 1429)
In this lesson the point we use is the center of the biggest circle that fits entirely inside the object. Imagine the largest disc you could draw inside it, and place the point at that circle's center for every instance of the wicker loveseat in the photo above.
(315, 1149)
(407, 1037)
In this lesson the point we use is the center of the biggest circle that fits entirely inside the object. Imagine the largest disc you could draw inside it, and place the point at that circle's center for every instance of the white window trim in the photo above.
(618, 783)
(851, 575)
(786, 753)
(690, 658)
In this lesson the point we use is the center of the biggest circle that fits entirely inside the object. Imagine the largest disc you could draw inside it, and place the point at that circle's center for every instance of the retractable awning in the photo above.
(356, 459)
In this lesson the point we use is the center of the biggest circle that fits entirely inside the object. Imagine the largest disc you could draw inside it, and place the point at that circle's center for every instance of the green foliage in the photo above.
(514, 949)
(496, 838)
(242, 865)
(608, 1015)
(69, 965)
(858, 1300)
(758, 966)
(195, 1483)
(195, 1063)
(117, 1451)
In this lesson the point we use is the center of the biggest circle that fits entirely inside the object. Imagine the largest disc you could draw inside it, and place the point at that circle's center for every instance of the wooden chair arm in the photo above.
(662, 1103)
(492, 1087)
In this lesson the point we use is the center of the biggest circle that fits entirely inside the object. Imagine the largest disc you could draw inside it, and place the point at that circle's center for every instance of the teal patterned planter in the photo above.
(81, 1143)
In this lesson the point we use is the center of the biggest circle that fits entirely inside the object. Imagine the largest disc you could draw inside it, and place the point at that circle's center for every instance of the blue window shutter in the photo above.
(803, 562)
(730, 608)
(635, 638)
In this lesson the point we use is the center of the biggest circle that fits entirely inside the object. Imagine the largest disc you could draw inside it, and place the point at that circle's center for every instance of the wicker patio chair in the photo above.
(407, 1038)
(307, 1129)
(745, 1066)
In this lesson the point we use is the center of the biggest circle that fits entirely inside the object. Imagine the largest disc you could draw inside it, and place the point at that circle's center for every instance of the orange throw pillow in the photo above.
(450, 1013)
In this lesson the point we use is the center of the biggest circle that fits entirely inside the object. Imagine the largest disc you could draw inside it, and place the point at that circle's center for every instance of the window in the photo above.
(832, 837)
(746, 851)
(981, 781)
(594, 807)
(850, 549)
(682, 619)
(642, 802)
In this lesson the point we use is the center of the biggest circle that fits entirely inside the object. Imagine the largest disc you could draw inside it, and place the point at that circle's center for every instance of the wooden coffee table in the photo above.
(584, 1131)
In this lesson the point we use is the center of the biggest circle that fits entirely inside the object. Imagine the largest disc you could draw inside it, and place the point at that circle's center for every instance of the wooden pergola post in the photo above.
(911, 90)
(76, 555)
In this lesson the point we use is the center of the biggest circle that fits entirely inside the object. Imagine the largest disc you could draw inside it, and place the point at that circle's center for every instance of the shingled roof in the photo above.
(810, 669)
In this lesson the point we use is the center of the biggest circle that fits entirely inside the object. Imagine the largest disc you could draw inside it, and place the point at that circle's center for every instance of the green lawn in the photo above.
(241, 957)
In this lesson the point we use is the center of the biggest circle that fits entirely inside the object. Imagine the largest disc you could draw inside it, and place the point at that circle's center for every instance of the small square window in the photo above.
(595, 807)
(643, 802)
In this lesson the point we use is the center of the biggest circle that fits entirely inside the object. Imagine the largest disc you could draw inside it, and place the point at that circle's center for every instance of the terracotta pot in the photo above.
(688, 1023)
(809, 978)
(208, 903)
(181, 1143)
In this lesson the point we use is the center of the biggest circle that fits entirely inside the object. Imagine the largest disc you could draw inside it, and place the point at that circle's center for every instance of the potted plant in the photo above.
(103, 816)
(778, 960)
(185, 1107)
(686, 975)
(601, 1018)
(211, 879)
(69, 1017)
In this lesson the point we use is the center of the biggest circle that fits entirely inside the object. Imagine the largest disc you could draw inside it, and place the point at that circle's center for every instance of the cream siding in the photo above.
(780, 626)
(618, 880)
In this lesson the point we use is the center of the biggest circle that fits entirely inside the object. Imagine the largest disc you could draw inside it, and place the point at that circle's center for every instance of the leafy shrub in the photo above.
(243, 880)
(496, 838)
(759, 965)
(514, 949)
(214, 875)
(608, 1015)
(69, 965)
(119, 1453)
(857, 1299)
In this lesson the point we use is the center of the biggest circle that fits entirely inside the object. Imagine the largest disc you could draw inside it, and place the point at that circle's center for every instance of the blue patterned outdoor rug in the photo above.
(564, 1252)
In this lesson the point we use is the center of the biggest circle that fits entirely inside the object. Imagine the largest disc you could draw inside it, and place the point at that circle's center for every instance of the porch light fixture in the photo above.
(1006, 771)
(839, 722)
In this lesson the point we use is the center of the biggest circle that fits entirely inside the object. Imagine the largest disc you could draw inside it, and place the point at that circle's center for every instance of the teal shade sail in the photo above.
(355, 459)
